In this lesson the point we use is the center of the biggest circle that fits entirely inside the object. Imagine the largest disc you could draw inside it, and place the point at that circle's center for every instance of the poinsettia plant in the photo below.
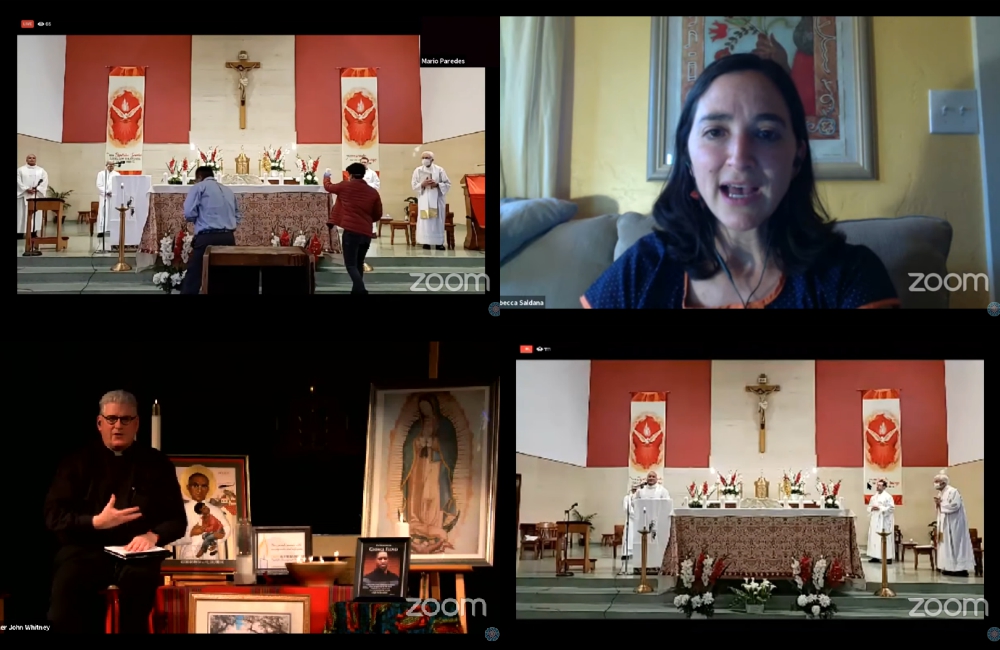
(815, 580)
(695, 591)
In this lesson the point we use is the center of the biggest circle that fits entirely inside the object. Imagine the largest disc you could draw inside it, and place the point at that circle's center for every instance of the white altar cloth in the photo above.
(762, 512)
(239, 189)
(657, 514)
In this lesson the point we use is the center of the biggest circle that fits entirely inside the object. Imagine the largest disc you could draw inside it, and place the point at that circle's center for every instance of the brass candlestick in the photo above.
(121, 265)
(885, 592)
(643, 587)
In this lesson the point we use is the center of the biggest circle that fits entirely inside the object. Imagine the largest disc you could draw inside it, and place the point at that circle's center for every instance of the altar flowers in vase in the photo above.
(211, 158)
(174, 254)
(815, 580)
(729, 486)
(830, 493)
(697, 496)
(300, 240)
(309, 171)
(176, 172)
(695, 591)
(276, 158)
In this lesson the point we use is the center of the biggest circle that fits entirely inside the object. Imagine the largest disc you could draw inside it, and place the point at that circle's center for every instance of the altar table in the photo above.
(760, 543)
(390, 618)
(266, 209)
(171, 612)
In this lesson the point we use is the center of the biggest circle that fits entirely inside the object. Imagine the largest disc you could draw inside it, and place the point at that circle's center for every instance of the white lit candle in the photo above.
(404, 528)
(156, 425)
(336, 555)
(321, 559)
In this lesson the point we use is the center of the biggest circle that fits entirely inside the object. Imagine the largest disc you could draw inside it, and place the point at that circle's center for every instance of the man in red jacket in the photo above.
(358, 206)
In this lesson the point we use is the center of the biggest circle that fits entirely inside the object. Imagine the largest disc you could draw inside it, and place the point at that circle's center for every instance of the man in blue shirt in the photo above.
(212, 209)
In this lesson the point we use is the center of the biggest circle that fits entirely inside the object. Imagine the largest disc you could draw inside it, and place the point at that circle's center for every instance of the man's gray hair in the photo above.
(119, 397)
(941, 478)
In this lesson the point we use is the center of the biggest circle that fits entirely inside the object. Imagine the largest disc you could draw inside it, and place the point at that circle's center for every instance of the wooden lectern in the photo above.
(475, 210)
(46, 205)
(258, 269)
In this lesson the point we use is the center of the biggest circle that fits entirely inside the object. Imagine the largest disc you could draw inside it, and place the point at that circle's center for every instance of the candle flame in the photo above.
(321, 560)
(336, 554)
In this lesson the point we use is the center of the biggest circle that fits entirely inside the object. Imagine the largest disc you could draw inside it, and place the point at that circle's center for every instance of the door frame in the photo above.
(518, 508)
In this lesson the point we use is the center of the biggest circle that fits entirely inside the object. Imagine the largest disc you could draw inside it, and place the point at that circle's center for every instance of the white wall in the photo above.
(553, 406)
(963, 381)
(41, 69)
(452, 102)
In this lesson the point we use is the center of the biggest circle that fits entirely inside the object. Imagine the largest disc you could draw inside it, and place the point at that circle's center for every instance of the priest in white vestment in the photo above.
(629, 509)
(373, 182)
(106, 181)
(881, 507)
(954, 555)
(652, 489)
(32, 182)
(432, 184)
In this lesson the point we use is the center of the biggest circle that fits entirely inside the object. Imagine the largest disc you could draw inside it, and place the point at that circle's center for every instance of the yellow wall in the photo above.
(917, 174)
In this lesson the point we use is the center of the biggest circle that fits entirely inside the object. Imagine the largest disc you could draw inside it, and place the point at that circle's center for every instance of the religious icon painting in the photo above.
(216, 493)
(381, 568)
(431, 470)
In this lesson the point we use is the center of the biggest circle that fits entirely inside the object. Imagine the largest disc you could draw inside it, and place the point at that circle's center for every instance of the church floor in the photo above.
(603, 594)
(83, 268)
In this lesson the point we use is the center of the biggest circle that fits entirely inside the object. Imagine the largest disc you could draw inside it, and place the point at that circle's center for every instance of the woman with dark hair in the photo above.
(739, 224)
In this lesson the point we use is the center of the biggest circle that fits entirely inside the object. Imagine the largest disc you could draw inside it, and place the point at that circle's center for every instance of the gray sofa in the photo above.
(562, 263)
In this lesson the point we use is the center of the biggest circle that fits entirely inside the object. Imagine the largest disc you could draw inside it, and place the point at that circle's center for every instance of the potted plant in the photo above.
(815, 581)
(753, 596)
(61, 195)
(576, 516)
(696, 585)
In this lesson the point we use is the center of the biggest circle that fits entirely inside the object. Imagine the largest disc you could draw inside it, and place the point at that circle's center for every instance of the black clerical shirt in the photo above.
(140, 476)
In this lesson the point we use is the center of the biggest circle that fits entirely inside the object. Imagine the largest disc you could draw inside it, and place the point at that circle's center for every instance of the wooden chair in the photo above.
(534, 545)
(111, 620)
(928, 550)
(92, 217)
(475, 235)
(548, 534)
(382, 222)
(977, 551)
(619, 532)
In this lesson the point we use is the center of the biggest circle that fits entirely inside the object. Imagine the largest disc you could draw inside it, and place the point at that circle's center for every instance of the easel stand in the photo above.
(121, 265)
(430, 584)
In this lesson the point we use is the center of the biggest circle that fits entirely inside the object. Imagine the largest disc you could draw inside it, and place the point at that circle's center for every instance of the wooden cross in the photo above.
(243, 68)
(762, 389)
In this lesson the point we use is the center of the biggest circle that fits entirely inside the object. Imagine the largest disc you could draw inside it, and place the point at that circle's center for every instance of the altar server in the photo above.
(106, 180)
(432, 183)
(629, 507)
(954, 555)
(881, 507)
(32, 182)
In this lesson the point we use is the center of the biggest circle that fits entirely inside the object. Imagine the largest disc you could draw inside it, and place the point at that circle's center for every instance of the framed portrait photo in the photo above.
(828, 58)
(274, 546)
(381, 568)
(248, 614)
(431, 470)
(216, 493)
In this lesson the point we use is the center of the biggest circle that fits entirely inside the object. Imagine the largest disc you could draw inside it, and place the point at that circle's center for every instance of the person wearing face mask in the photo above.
(32, 183)
(954, 551)
(432, 183)
(739, 224)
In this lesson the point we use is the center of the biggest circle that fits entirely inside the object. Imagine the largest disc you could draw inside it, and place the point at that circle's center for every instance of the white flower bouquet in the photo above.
(277, 158)
(830, 493)
(815, 580)
(697, 584)
(174, 255)
(211, 158)
(729, 487)
(309, 171)
(753, 592)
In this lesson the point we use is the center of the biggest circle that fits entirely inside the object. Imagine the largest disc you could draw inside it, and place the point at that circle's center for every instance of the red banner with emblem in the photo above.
(126, 118)
(883, 443)
(647, 435)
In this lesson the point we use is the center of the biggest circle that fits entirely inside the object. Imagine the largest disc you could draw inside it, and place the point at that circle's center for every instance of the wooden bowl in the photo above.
(318, 574)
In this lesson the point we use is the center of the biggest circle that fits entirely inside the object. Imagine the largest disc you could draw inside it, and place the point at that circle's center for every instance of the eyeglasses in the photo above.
(125, 420)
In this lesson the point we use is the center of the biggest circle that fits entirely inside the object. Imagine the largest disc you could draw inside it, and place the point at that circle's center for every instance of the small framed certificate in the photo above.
(273, 546)
(382, 567)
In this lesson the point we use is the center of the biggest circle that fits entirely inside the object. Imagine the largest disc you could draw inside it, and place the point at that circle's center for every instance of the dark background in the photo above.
(300, 416)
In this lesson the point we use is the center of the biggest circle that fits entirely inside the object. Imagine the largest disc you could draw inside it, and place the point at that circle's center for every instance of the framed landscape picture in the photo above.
(431, 469)
(248, 614)
(216, 493)
(828, 58)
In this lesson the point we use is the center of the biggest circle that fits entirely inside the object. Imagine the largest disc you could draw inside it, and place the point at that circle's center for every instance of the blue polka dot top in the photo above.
(645, 278)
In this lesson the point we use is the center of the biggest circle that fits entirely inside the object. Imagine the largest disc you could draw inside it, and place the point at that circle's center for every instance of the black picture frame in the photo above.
(398, 550)
(306, 532)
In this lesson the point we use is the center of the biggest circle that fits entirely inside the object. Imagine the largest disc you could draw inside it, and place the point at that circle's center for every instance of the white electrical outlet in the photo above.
(954, 111)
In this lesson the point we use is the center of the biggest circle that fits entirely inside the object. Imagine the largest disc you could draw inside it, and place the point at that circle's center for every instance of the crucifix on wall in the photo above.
(762, 389)
(243, 67)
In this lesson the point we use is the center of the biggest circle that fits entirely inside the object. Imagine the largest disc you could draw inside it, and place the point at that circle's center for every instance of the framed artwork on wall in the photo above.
(216, 493)
(274, 546)
(828, 58)
(248, 614)
(431, 467)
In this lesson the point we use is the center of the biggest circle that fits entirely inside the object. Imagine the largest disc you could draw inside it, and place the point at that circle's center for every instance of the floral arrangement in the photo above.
(829, 492)
(174, 254)
(316, 246)
(212, 158)
(177, 170)
(698, 578)
(309, 171)
(797, 484)
(730, 487)
(753, 592)
(815, 581)
(277, 158)
(300, 241)
(698, 495)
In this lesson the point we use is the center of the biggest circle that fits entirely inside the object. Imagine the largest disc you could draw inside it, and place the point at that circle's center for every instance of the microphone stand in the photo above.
(627, 546)
(565, 573)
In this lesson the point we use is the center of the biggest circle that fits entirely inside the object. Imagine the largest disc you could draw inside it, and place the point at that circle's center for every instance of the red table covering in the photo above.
(477, 196)
(171, 614)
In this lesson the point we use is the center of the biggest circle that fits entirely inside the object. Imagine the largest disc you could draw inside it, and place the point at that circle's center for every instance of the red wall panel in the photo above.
(317, 85)
(924, 417)
(168, 85)
(689, 409)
